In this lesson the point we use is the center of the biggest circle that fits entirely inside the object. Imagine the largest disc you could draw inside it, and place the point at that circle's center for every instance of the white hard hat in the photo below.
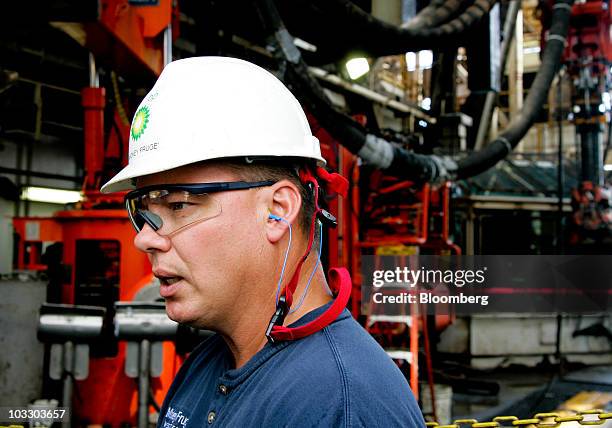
(209, 108)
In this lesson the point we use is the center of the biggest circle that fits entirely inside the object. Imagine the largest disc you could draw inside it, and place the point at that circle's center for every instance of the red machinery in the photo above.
(101, 264)
(99, 261)
(396, 218)
(587, 57)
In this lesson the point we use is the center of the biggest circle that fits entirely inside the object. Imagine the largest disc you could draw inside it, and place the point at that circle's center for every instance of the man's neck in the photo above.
(248, 336)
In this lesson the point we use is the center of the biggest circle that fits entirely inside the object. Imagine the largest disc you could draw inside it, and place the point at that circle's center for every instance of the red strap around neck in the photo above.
(339, 278)
(340, 284)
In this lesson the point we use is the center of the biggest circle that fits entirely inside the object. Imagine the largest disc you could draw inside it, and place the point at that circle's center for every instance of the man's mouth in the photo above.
(169, 280)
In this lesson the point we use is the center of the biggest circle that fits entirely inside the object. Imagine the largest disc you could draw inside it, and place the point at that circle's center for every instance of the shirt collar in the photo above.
(234, 377)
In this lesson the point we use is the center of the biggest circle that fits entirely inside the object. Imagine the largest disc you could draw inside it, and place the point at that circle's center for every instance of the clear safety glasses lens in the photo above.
(168, 211)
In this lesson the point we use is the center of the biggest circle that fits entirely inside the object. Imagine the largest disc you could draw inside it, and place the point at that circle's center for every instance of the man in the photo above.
(227, 176)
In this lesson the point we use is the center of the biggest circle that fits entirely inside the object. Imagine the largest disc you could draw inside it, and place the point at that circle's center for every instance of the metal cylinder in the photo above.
(143, 384)
(94, 77)
(68, 379)
(168, 45)
(135, 321)
(590, 153)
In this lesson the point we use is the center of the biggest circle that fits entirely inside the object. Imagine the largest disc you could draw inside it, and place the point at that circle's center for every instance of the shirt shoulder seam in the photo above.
(343, 376)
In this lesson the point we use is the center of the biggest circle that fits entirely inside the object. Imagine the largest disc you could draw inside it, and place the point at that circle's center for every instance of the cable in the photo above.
(365, 32)
(357, 36)
(313, 271)
(429, 29)
(434, 14)
(280, 280)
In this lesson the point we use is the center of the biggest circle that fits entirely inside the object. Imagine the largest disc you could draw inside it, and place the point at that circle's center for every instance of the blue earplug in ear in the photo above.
(282, 275)
(275, 217)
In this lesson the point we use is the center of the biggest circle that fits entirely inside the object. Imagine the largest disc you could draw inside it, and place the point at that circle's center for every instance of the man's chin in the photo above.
(178, 314)
(182, 316)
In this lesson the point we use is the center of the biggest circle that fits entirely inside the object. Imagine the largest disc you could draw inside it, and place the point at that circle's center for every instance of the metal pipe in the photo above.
(68, 379)
(371, 95)
(20, 172)
(590, 129)
(515, 69)
(168, 45)
(50, 86)
(470, 232)
(507, 35)
(38, 102)
(485, 119)
(94, 77)
(560, 171)
(514, 6)
(143, 383)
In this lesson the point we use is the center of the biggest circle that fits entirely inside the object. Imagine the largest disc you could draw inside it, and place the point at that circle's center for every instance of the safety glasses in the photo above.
(170, 208)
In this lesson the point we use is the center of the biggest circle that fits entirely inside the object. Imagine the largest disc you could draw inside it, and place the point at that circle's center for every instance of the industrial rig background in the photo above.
(474, 127)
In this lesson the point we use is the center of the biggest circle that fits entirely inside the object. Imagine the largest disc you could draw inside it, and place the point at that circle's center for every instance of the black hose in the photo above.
(352, 135)
(437, 12)
(390, 156)
(501, 146)
(380, 38)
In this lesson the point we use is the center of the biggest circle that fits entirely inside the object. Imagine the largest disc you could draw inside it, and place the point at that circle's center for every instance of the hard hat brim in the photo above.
(125, 179)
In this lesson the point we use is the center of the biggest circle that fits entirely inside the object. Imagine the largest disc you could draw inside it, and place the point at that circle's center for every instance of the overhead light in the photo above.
(608, 167)
(411, 61)
(426, 103)
(357, 67)
(425, 60)
(531, 50)
(52, 196)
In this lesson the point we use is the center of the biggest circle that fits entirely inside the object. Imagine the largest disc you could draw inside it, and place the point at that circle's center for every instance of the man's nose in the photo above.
(149, 241)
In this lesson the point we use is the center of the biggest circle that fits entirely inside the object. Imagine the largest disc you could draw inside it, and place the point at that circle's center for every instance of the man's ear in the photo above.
(285, 204)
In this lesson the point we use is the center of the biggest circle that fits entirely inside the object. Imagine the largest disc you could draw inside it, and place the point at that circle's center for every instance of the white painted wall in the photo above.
(6, 235)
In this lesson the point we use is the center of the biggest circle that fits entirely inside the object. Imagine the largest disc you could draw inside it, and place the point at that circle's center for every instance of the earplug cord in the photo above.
(313, 270)
(282, 275)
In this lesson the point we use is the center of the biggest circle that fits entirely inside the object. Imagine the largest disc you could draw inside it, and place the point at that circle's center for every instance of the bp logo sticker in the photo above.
(141, 119)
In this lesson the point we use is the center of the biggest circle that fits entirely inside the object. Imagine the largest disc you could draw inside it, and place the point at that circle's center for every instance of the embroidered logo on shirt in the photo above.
(175, 419)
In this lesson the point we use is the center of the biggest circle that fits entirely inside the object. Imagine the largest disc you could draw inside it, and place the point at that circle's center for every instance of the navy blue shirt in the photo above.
(337, 377)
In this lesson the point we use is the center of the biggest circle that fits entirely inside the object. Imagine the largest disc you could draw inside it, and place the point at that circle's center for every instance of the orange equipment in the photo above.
(100, 265)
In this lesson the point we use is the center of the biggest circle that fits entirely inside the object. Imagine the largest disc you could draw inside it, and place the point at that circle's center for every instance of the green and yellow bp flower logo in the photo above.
(139, 124)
